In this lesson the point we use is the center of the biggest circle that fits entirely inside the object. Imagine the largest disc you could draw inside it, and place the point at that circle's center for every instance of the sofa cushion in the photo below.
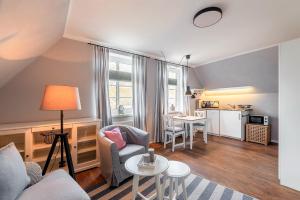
(115, 135)
(57, 185)
(129, 151)
(34, 172)
(13, 176)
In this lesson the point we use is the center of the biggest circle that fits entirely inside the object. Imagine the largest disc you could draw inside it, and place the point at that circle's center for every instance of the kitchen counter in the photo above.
(229, 109)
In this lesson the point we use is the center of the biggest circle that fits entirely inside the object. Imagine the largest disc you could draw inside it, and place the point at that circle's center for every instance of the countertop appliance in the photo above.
(259, 119)
(210, 104)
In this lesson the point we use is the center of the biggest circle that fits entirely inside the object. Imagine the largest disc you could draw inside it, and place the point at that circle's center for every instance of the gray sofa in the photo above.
(57, 185)
(24, 181)
(112, 160)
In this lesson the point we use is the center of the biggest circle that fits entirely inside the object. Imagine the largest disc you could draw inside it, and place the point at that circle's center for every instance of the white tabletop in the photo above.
(188, 118)
(178, 169)
(131, 166)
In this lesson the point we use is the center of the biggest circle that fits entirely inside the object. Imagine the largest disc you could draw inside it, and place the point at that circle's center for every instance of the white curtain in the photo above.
(101, 66)
(139, 91)
(160, 108)
(185, 99)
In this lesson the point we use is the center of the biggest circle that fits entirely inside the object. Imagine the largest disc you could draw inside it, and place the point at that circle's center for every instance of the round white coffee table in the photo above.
(131, 166)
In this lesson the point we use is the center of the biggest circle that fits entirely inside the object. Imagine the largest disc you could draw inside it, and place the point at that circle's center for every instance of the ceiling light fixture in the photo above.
(207, 17)
(188, 91)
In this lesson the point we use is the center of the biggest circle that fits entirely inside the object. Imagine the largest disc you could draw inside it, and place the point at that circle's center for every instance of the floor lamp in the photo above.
(61, 98)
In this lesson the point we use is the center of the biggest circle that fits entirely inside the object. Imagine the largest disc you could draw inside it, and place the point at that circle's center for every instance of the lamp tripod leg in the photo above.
(50, 155)
(69, 158)
(62, 162)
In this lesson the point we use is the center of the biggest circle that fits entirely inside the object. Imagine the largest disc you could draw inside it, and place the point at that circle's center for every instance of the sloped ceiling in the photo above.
(28, 29)
(166, 25)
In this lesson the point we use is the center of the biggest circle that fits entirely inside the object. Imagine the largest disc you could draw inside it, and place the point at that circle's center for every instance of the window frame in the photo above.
(116, 74)
(176, 83)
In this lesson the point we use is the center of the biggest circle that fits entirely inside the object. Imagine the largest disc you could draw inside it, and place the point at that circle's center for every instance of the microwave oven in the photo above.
(259, 119)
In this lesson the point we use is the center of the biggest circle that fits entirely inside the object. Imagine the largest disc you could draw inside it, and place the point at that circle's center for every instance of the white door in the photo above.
(231, 124)
(213, 122)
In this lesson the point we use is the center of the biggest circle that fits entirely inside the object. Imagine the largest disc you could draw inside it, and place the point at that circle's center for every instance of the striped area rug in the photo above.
(198, 188)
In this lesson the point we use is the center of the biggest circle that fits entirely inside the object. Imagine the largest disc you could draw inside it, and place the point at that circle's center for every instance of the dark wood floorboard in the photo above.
(247, 167)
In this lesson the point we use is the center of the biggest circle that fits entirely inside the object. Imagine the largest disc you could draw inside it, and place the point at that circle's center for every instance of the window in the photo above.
(120, 85)
(175, 93)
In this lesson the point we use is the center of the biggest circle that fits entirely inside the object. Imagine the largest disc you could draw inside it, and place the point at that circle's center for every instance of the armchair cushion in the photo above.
(129, 151)
(13, 176)
(116, 136)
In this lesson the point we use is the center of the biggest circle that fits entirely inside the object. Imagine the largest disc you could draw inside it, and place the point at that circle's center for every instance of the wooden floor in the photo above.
(246, 167)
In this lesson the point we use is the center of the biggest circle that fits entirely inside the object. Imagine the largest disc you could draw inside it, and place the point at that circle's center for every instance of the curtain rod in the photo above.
(136, 54)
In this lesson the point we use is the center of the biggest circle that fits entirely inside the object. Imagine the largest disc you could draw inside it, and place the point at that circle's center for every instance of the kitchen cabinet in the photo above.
(213, 122)
(232, 124)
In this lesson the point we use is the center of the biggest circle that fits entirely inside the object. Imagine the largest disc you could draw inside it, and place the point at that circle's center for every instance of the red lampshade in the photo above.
(61, 97)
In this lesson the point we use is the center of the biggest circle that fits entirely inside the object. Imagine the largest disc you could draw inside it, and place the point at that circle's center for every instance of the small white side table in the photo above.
(131, 166)
(177, 172)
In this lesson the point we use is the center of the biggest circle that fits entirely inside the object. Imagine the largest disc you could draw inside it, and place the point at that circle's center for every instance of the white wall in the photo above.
(289, 98)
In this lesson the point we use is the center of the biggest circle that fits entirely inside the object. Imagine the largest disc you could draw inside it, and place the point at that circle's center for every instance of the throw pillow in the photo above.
(13, 176)
(34, 171)
(115, 135)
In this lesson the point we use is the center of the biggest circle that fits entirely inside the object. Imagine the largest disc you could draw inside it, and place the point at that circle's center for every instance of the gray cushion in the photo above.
(129, 151)
(57, 185)
(198, 124)
(13, 176)
(176, 129)
(34, 171)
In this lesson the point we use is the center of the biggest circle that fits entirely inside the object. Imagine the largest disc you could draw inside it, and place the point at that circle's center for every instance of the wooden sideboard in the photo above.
(30, 143)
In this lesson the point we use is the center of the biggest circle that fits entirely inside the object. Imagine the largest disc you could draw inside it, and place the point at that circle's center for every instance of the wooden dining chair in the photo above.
(173, 130)
(201, 114)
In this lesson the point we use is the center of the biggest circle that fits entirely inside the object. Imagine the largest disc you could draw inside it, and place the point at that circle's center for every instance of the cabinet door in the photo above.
(86, 146)
(41, 142)
(18, 137)
(213, 121)
(230, 124)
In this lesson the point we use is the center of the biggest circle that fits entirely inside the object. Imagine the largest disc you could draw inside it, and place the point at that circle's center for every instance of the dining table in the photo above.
(191, 120)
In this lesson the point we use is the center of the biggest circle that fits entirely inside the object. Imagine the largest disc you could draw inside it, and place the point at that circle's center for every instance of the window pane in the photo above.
(113, 103)
(113, 66)
(172, 75)
(125, 83)
(170, 102)
(125, 91)
(126, 102)
(172, 87)
(125, 68)
(172, 94)
(112, 82)
(112, 91)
